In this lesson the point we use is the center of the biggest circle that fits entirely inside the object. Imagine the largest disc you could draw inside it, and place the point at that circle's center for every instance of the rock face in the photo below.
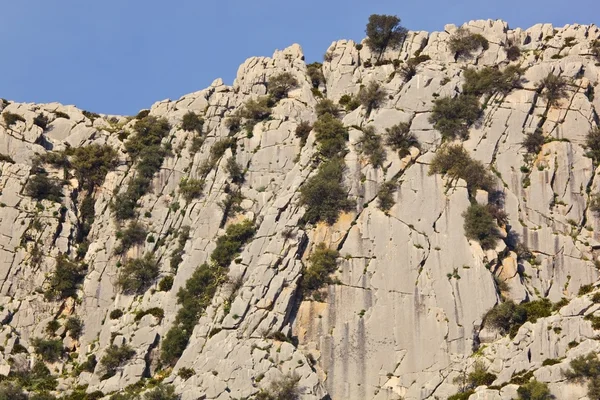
(403, 318)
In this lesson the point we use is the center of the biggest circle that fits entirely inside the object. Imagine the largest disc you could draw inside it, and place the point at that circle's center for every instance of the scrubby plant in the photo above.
(233, 122)
(508, 317)
(595, 49)
(534, 141)
(235, 170)
(463, 43)
(371, 96)
(137, 274)
(480, 226)
(50, 350)
(190, 188)
(285, 388)
(156, 312)
(11, 391)
(116, 313)
(186, 373)
(324, 196)
(229, 244)
(256, 110)
(192, 122)
(165, 283)
(162, 392)
(592, 145)
(385, 196)
(553, 88)
(490, 80)
(177, 255)
(135, 234)
(60, 114)
(331, 136)
(6, 158)
(452, 116)
(372, 147)
(349, 102)
(280, 85)
(302, 131)
(595, 203)
(399, 138)
(585, 368)
(384, 31)
(41, 120)
(315, 73)
(327, 106)
(409, 69)
(479, 376)
(11, 118)
(513, 53)
(231, 204)
(92, 163)
(142, 114)
(322, 263)
(42, 187)
(115, 357)
(65, 280)
(38, 379)
(74, 326)
(455, 162)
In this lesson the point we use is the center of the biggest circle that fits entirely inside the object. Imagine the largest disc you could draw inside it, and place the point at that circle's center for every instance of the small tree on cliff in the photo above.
(384, 31)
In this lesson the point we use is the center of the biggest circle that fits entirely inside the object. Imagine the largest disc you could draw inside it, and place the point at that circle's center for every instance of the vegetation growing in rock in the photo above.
(74, 326)
(229, 244)
(534, 390)
(235, 170)
(326, 106)
(322, 263)
(331, 136)
(371, 146)
(508, 317)
(385, 196)
(553, 88)
(490, 80)
(162, 392)
(92, 163)
(41, 120)
(302, 131)
(255, 111)
(11, 391)
(480, 225)
(135, 234)
(192, 122)
(371, 96)
(592, 145)
(65, 280)
(50, 350)
(455, 162)
(399, 138)
(177, 254)
(513, 53)
(11, 118)
(114, 358)
(280, 85)
(324, 195)
(384, 31)
(586, 368)
(285, 388)
(315, 73)
(534, 141)
(190, 188)
(463, 43)
(452, 116)
(42, 187)
(166, 283)
(137, 274)
(350, 103)
(409, 69)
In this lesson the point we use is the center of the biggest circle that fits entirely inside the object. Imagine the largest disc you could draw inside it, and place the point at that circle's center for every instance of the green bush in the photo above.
(455, 162)
(371, 96)
(513, 53)
(191, 188)
(315, 73)
(326, 106)
(236, 173)
(302, 131)
(508, 317)
(372, 147)
(41, 120)
(162, 392)
(92, 163)
(192, 122)
(280, 85)
(142, 114)
(229, 244)
(37, 379)
(10, 391)
(385, 196)
(586, 368)
(256, 110)
(534, 141)
(322, 263)
(10, 118)
(285, 388)
(60, 114)
(177, 255)
(350, 103)
(399, 138)
(585, 289)
(534, 390)
(553, 88)
(331, 136)
(463, 43)
(452, 116)
(41, 187)
(384, 31)
(409, 69)
(186, 373)
(480, 226)
(50, 350)
(115, 357)
(165, 283)
(65, 280)
(137, 274)
(156, 312)
(324, 195)
(74, 326)
(233, 122)
(116, 313)
(592, 145)
(462, 396)
(490, 80)
(135, 234)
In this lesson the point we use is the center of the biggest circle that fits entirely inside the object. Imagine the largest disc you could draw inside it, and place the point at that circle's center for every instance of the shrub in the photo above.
(350, 103)
(452, 116)
(534, 390)
(165, 283)
(142, 114)
(372, 147)
(177, 255)
(186, 373)
(331, 136)
(41, 187)
(6, 158)
(229, 244)
(508, 317)
(409, 69)
(371, 96)
(462, 396)
(190, 188)
(156, 312)
(137, 274)
(315, 73)
(324, 195)
(10, 118)
(385, 196)
(116, 313)
(592, 145)
(162, 392)
(326, 106)
(233, 122)
(285, 388)
(553, 88)
(192, 122)
(479, 376)
(236, 173)
(280, 85)
(323, 262)
(534, 141)
(454, 161)
(92, 163)
(595, 49)
(38, 378)
(490, 80)
(586, 367)
(302, 131)
(60, 114)
(65, 280)
(74, 326)
(399, 138)
(10, 391)
(49, 350)
(513, 53)
(134, 235)
(115, 357)
(480, 226)
(463, 43)
(256, 110)
(585, 289)
(384, 31)
(41, 120)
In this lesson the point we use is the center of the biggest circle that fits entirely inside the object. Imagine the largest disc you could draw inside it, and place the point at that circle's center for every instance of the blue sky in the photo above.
(120, 56)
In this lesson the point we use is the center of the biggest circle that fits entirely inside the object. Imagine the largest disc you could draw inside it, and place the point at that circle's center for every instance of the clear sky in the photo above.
(120, 56)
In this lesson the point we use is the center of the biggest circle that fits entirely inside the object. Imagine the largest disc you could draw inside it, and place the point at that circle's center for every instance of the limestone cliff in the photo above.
(402, 317)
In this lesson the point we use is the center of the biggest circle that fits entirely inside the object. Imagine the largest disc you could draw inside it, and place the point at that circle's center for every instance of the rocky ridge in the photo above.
(403, 318)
